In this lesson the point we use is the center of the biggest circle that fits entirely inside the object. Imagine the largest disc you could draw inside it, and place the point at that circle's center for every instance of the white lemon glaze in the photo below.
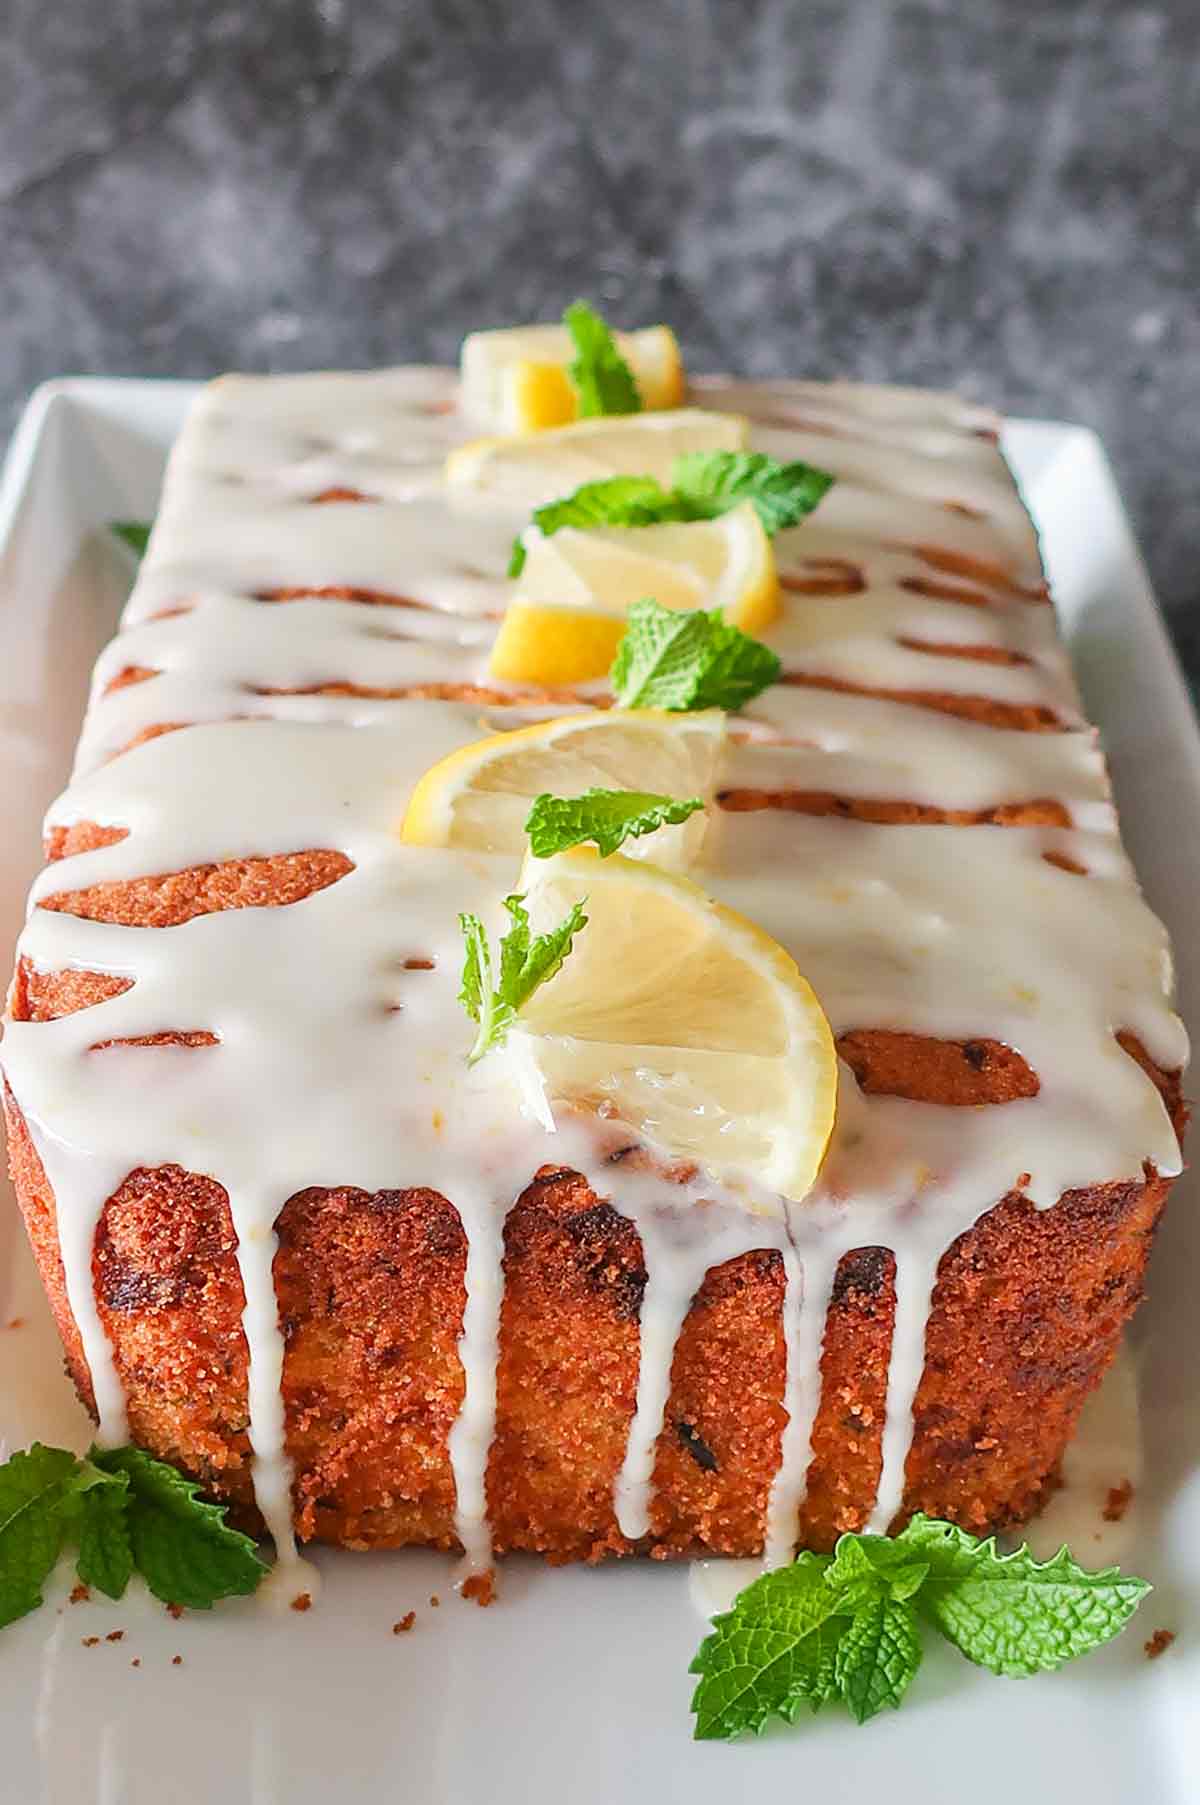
(336, 1064)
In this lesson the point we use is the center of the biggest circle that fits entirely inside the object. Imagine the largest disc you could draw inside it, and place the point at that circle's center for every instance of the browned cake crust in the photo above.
(1027, 1315)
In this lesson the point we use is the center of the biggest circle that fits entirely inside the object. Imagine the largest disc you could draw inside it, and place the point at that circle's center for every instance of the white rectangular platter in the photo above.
(574, 1686)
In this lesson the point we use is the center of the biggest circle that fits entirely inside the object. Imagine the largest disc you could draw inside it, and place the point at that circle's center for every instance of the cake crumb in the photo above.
(89, 1641)
(434, 1600)
(15, 1322)
(481, 1587)
(405, 1624)
(1159, 1643)
(302, 1601)
(115, 1636)
(174, 1610)
(136, 1662)
(1120, 1497)
(79, 1594)
(176, 1660)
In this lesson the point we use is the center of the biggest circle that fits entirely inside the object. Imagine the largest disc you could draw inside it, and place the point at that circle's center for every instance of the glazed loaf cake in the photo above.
(293, 1247)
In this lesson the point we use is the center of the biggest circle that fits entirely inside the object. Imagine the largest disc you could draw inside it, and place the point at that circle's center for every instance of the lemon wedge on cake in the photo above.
(681, 1018)
(565, 621)
(479, 796)
(515, 379)
(536, 467)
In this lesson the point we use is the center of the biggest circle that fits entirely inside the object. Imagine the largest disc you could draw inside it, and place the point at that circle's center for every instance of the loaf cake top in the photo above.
(917, 811)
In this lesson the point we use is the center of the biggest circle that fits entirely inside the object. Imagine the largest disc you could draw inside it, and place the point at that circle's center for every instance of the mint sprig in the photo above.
(179, 1541)
(133, 533)
(125, 1511)
(603, 380)
(606, 817)
(687, 659)
(526, 963)
(848, 1625)
(704, 484)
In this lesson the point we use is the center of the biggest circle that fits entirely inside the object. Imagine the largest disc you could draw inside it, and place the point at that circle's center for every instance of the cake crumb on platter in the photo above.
(1120, 1497)
(434, 1600)
(174, 1610)
(1159, 1643)
(79, 1594)
(89, 1641)
(115, 1636)
(302, 1601)
(481, 1587)
(405, 1624)
(176, 1660)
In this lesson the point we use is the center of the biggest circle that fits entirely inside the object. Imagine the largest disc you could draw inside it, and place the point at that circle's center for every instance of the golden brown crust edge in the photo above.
(1027, 1315)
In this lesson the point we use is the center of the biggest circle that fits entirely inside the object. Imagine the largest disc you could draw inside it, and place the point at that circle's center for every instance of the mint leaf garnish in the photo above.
(607, 817)
(526, 963)
(772, 1653)
(134, 533)
(1010, 1613)
(711, 482)
(847, 1625)
(105, 1557)
(125, 1510)
(34, 1515)
(181, 1544)
(877, 1656)
(705, 484)
(688, 659)
(603, 380)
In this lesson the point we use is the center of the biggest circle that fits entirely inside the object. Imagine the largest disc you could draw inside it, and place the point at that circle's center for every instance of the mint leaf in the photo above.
(612, 501)
(530, 965)
(603, 380)
(772, 1653)
(866, 1565)
(105, 1557)
(1010, 1613)
(181, 1544)
(607, 817)
(525, 965)
(877, 1656)
(134, 533)
(712, 482)
(688, 659)
(478, 995)
(34, 1518)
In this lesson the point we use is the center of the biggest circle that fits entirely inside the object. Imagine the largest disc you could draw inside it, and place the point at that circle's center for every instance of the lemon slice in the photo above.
(682, 1019)
(566, 619)
(479, 796)
(515, 380)
(535, 467)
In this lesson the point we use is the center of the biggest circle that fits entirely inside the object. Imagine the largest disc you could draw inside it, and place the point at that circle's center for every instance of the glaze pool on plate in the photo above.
(577, 1682)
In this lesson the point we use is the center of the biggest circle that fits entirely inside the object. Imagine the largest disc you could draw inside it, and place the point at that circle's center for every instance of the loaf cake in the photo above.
(295, 1247)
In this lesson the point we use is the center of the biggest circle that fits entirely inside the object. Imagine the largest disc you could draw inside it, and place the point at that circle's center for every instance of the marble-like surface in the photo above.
(995, 194)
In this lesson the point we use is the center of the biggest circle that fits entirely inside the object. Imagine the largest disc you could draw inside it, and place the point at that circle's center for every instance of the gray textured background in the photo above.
(996, 194)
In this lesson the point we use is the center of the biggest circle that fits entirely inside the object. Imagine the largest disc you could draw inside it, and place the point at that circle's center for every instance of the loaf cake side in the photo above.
(917, 810)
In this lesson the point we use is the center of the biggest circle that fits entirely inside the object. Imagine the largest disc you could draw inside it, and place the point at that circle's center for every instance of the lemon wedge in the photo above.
(515, 380)
(479, 796)
(566, 619)
(536, 467)
(684, 1020)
